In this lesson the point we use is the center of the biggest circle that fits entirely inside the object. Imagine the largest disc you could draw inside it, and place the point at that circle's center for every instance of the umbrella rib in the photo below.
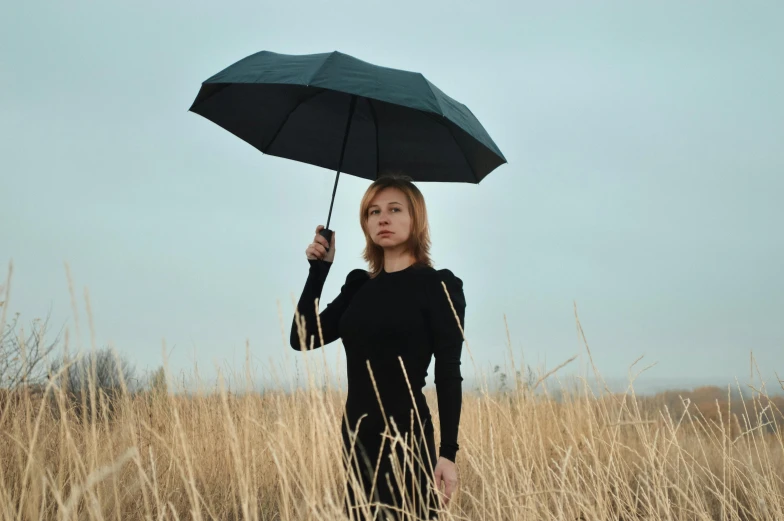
(217, 89)
(375, 123)
(318, 70)
(435, 97)
(286, 119)
(451, 133)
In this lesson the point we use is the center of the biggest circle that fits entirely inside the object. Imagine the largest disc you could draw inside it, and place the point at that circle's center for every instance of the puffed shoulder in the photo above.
(445, 328)
(357, 275)
(319, 269)
(454, 285)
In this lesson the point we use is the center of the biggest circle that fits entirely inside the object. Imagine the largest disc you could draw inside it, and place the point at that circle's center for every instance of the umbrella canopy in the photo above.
(338, 112)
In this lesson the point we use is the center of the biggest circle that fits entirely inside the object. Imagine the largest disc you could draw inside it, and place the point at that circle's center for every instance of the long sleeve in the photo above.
(447, 348)
(330, 317)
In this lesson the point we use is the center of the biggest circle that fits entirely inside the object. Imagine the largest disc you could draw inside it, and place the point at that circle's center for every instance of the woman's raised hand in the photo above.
(318, 248)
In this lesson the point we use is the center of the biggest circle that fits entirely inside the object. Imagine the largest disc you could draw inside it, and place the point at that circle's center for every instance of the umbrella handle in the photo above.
(327, 234)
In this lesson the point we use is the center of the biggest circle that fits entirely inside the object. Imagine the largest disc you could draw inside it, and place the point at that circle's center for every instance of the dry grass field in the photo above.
(524, 456)
(531, 450)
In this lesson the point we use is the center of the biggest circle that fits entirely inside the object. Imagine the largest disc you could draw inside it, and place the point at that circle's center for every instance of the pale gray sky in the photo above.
(644, 181)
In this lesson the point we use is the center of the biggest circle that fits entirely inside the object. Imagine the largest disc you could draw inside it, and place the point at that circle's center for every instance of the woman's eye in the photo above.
(374, 211)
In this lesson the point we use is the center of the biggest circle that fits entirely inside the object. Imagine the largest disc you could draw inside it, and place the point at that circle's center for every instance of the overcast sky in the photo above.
(644, 181)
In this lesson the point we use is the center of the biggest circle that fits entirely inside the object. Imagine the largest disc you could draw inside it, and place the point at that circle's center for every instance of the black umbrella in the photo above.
(335, 111)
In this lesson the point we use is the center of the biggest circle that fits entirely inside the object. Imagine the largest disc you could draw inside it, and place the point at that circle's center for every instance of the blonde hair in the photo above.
(419, 238)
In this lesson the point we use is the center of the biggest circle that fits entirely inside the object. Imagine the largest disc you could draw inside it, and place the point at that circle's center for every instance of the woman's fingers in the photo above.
(449, 487)
(446, 477)
(318, 237)
(438, 476)
(318, 248)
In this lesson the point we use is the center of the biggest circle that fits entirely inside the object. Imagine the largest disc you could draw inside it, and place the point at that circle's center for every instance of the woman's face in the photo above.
(389, 212)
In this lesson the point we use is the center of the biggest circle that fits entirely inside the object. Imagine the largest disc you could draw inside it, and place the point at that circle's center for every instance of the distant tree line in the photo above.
(91, 382)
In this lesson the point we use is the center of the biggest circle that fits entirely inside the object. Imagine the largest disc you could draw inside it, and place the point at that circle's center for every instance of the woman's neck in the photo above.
(397, 261)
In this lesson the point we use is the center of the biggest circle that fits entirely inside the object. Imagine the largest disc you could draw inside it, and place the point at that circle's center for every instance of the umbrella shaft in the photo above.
(342, 153)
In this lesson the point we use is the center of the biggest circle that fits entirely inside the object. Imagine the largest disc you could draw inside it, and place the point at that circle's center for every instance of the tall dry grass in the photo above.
(588, 455)
(276, 455)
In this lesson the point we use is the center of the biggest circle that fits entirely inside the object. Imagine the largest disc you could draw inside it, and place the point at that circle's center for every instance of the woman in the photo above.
(394, 317)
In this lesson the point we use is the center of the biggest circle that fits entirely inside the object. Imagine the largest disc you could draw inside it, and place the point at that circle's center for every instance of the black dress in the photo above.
(402, 314)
